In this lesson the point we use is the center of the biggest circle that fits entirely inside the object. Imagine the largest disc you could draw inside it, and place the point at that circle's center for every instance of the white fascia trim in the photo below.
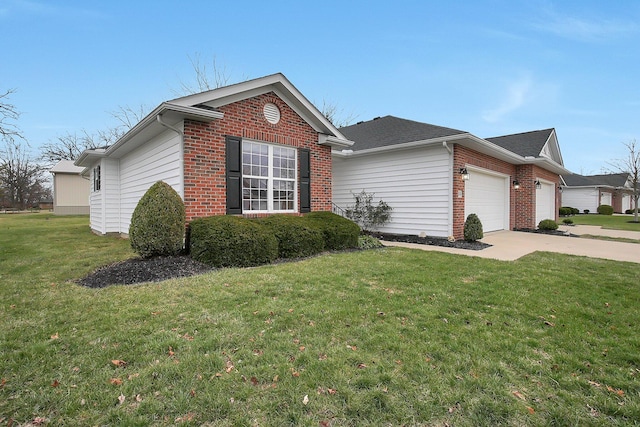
(333, 141)
(549, 165)
(405, 146)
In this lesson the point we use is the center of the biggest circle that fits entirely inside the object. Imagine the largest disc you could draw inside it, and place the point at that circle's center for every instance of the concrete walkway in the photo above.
(511, 245)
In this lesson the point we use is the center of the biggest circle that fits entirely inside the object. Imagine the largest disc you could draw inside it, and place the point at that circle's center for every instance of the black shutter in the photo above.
(234, 175)
(305, 180)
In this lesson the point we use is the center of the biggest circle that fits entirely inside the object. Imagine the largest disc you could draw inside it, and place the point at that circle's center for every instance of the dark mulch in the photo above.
(435, 241)
(139, 270)
(549, 232)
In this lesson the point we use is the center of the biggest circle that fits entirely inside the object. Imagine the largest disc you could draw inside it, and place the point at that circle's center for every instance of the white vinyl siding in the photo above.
(111, 195)
(580, 198)
(487, 196)
(415, 183)
(157, 160)
(545, 202)
(96, 210)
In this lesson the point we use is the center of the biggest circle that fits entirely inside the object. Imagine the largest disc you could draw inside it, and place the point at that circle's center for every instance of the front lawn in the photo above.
(379, 337)
(614, 222)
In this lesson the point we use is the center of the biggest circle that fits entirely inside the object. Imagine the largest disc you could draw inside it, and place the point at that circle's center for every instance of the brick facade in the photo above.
(204, 153)
(522, 209)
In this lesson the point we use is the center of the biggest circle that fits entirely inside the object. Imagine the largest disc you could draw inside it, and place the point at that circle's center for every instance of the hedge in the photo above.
(605, 210)
(230, 241)
(296, 236)
(339, 233)
(548, 224)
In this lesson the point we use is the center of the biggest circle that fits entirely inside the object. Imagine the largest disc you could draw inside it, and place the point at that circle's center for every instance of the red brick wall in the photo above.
(204, 153)
(522, 209)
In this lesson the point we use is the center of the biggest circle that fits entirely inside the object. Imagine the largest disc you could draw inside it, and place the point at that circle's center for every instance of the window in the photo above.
(268, 178)
(96, 178)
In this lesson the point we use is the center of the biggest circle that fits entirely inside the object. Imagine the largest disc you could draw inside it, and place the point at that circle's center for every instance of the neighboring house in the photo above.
(70, 189)
(588, 192)
(253, 148)
(434, 177)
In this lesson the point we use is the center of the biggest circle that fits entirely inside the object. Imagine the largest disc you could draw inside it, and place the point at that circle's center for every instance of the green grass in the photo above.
(609, 238)
(380, 337)
(614, 222)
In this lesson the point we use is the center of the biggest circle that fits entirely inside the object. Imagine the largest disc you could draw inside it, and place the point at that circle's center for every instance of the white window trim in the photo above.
(270, 178)
(97, 170)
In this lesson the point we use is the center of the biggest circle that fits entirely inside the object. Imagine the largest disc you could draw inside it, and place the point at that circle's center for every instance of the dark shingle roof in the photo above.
(524, 144)
(390, 130)
(611, 180)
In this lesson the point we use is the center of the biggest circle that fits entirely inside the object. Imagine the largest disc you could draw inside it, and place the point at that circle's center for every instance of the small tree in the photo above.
(631, 165)
(367, 215)
(158, 222)
(472, 228)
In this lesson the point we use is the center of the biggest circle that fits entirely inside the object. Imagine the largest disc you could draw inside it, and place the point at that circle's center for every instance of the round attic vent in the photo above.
(271, 113)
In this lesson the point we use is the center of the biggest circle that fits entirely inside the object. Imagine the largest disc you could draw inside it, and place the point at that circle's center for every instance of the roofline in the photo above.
(187, 112)
(279, 83)
(404, 146)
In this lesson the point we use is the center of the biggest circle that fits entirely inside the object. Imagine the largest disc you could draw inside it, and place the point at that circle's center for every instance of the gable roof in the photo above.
(66, 166)
(614, 180)
(525, 143)
(390, 130)
(203, 107)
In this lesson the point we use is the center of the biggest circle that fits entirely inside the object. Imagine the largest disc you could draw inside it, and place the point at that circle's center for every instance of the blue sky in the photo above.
(487, 67)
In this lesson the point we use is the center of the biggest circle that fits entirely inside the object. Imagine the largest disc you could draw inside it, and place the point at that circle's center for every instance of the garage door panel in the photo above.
(486, 196)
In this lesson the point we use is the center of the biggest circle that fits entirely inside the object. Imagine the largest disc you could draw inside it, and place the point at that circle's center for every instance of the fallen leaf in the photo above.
(295, 373)
(55, 336)
(361, 366)
(132, 376)
(171, 352)
(275, 379)
(595, 384)
(519, 395)
(115, 381)
(290, 310)
(546, 322)
(188, 417)
(616, 391)
(322, 357)
(302, 348)
(121, 399)
(119, 363)
(192, 393)
(305, 400)
(55, 383)
(76, 369)
(332, 391)
(254, 381)
(39, 421)
(3, 382)
(187, 337)
(138, 398)
(531, 410)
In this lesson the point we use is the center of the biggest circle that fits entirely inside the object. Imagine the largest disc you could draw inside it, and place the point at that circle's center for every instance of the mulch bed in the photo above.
(139, 270)
(549, 232)
(435, 241)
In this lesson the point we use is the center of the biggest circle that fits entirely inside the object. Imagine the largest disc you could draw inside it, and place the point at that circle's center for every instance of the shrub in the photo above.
(157, 223)
(605, 210)
(630, 211)
(229, 241)
(472, 228)
(567, 221)
(548, 224)
(296, 237)
(366, 214)
(586, 211)
(338, 232)
(369, 242)
(575, 211)
(565, 211)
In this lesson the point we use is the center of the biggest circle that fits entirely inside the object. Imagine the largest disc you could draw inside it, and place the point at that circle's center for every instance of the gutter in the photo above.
(181, 151)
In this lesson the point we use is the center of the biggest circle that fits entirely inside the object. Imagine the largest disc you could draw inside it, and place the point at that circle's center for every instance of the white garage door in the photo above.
(545, 202)
(486, 195)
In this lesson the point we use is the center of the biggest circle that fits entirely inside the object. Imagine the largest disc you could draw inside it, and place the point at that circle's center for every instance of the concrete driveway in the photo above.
(511, 245)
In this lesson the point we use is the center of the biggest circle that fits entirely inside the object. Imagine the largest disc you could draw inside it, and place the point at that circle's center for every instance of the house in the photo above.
(588, 192)
(434, 177)
(253, 148)
(70, 189)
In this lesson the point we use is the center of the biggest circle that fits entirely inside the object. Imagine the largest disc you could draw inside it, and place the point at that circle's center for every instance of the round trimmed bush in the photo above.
(574, 211)
(339, 233)
(605, 210)
(158, 222)
(230, 241)
(548, 224)
(296, 237)
(568, 221)
(586, 211)
(369, 242)
(472, 228)
(565, 211)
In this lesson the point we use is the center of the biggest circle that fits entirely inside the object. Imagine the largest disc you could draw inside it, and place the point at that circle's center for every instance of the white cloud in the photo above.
(582, 29)
(518, 93)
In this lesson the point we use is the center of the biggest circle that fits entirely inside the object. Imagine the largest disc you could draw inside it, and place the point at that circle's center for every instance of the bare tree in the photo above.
(206, 77)
(70, 145)
(631, 165)
(8, 114)
(22, 180)
(336, 115)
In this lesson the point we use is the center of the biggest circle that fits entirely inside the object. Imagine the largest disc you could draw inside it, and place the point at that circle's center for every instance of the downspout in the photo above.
(181, 151)
(450, 201)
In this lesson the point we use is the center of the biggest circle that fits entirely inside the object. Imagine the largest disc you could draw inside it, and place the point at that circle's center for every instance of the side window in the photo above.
(96, 179)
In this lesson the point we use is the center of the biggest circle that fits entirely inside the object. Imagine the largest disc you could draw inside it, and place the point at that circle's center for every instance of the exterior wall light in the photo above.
(516, 184)
(464, 174)
(538, 184)
(560, 188)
